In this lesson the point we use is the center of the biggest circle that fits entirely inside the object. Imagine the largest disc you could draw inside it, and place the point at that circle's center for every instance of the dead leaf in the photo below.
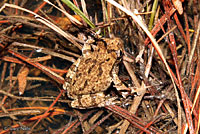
(22, 80)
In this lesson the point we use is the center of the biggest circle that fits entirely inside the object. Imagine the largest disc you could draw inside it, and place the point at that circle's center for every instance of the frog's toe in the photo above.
(107, 102)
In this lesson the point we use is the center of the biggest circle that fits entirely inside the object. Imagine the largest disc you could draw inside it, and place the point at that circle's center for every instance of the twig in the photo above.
(31, 99)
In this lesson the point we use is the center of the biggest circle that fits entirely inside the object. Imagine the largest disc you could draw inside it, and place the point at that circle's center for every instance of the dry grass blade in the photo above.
(196, 37)
(47, 51)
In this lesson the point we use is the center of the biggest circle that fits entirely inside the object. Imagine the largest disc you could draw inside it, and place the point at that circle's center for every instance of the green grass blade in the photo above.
(79, 12)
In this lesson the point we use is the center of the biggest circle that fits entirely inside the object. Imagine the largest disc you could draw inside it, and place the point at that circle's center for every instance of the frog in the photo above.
(92, 74)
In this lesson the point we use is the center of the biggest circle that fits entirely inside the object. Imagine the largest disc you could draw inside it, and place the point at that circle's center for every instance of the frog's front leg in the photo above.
(117, 82)
(92, 100)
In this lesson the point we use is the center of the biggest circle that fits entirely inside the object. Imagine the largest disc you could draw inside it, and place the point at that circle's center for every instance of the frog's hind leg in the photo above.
(92, 100)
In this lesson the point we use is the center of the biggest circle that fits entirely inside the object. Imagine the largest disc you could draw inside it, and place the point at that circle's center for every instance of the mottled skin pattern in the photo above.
(92, 74)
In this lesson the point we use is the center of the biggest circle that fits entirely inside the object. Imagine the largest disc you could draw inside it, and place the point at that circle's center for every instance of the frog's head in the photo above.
(116, 45)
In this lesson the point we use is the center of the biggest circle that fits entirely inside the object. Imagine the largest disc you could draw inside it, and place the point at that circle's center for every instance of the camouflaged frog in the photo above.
(93, 73)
